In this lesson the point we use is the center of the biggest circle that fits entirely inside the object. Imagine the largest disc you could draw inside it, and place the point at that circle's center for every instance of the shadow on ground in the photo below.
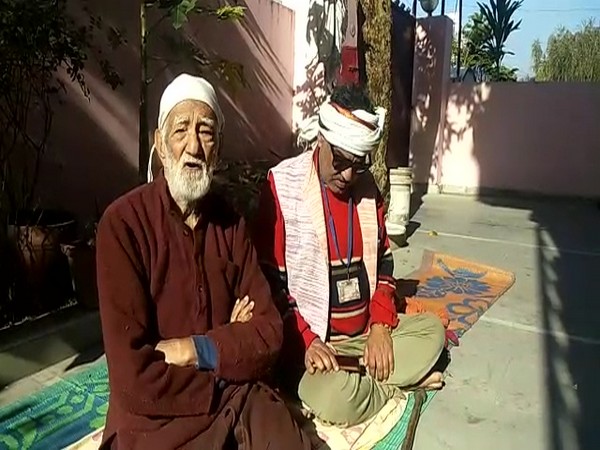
(567, 240)
(567, 255)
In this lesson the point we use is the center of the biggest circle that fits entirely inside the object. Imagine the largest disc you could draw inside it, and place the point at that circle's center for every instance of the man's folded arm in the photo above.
(246, 351)
(141, 380)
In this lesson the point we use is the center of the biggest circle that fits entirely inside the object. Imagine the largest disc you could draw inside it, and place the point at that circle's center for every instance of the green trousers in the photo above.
(346, 399)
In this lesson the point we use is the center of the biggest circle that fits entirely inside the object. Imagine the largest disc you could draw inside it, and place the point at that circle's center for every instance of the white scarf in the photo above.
(344, 132)
(186, 87)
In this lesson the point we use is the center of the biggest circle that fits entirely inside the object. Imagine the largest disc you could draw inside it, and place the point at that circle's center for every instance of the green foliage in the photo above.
(474, 56)
(179, 10)
(185, 50)
(230, 72)
(179, 13)
(498, 16)
(36, 40)
(569, 56)
(484, 39)
(240, 182)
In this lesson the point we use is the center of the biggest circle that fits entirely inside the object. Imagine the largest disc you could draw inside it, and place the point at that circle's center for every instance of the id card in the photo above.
(348, 290)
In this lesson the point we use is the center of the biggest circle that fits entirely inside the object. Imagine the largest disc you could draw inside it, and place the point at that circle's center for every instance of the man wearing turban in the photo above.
(322, 241)
(184, 360)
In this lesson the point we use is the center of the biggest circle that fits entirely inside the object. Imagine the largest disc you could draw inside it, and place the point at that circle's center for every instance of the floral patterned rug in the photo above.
(466, 290)
(75, 408)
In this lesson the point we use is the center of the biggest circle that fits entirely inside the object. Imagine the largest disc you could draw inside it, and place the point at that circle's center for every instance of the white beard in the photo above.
(187, 185)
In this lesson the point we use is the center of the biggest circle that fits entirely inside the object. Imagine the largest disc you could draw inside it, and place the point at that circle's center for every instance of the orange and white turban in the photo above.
(358, 132)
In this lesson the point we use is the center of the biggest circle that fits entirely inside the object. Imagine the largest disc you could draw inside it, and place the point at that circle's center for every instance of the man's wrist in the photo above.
(381, 326)
(189, 352)
(203, 353)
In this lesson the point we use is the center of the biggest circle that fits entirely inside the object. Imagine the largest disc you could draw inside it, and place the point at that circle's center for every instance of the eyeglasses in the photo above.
(341, 163)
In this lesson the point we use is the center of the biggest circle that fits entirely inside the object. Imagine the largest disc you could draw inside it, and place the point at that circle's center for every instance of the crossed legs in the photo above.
(346, 399)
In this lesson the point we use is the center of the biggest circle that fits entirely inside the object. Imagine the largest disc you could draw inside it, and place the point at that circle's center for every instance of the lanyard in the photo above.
(332, 228)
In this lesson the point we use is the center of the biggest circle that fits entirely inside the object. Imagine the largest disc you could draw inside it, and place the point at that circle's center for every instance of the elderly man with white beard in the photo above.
(173, 259)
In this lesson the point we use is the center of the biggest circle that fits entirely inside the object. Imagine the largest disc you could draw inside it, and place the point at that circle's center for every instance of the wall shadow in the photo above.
(542, 150)
(326, 43)
(258, 114)
(568, 260)
(426, 116)
(92, 156)
(323, 67)
(92, 148)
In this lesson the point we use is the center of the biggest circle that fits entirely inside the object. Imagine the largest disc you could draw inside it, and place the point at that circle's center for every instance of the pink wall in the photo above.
(92, 156)
(430, 90)
(529, 137)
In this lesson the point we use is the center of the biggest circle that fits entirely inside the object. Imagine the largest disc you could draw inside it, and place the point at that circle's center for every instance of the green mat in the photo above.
(395, 438)
(58, 415)
(71, 409)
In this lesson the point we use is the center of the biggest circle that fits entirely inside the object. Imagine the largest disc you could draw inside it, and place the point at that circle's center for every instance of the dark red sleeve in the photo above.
(269, 235)
(246, 351)
(382, 308)
(140, 380)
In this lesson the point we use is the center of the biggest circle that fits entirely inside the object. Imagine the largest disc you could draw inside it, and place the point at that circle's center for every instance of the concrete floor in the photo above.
(50, 375)
(524, 376)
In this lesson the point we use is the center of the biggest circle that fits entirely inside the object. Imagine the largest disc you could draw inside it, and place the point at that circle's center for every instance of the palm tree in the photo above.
(498, 16)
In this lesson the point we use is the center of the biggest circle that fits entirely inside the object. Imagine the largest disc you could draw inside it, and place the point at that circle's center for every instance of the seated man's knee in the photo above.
(434, 329)
(335, 398)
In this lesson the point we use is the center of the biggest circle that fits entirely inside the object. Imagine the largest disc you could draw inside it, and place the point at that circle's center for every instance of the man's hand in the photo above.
(379, 353)
(321, 357)
(242, 310)
(179, 352)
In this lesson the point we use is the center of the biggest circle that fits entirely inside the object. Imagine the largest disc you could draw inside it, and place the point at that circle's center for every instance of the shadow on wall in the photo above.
(93, 152)
(92, 149)
(319, 34)
(493, 150)
(322, 69)
(465, 108)
(259, 115)
(568, 257)
(426, 115)
(311, 94)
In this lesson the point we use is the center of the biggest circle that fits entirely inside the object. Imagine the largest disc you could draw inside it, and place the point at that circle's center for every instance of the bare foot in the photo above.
(433, 381)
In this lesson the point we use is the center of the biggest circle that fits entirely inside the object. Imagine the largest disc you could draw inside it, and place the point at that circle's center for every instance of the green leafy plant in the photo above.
(240, 182)
(41, 50)
(484, 39)
(498, 19)
(569, 55)
(37, 39)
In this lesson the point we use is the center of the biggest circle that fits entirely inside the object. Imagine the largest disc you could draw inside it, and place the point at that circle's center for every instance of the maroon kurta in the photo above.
(157, 279)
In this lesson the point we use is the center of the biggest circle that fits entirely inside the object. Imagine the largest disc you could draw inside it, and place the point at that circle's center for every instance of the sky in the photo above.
(539, 19)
